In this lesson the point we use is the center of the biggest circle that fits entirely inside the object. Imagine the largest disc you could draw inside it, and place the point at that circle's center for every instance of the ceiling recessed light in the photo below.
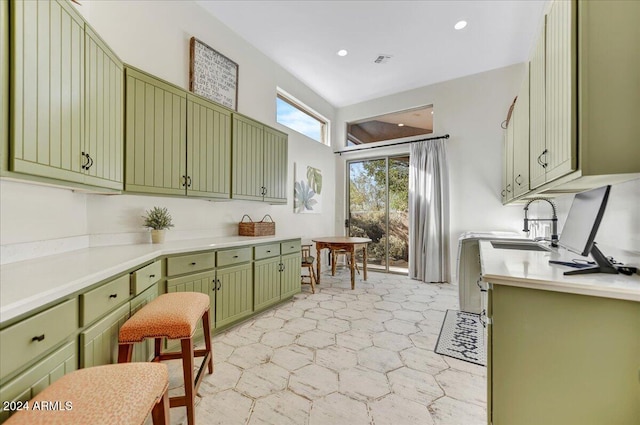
(342, 52)
(431, 112)
(460, 24)
(400, 125)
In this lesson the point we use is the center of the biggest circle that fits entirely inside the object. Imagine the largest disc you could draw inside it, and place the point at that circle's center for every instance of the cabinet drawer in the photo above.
(290, 247)
(99, 301)
(145, 277)
(35, 379)
(190, 263)
(266, 251)
(31, 337)
(233, 256)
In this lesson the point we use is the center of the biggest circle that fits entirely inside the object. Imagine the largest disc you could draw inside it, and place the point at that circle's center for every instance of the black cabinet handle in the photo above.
(219, 285)
(85, 165)
(193, 264)
(90, 162)
(184, 181)
(113, 296)
(235, 256)
(269, 252)
(519, 182)
(503, 193)
(508, 188)
(188, 181)
(152, 275)
(38, 338)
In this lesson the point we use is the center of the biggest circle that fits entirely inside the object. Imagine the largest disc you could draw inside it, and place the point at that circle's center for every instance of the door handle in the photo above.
(184, 181)
(85, 164)
(38, 338)
(219, 285)
(188, 181)
(519, 182)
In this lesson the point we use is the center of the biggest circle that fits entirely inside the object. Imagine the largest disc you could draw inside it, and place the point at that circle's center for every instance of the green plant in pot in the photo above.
(158, 220)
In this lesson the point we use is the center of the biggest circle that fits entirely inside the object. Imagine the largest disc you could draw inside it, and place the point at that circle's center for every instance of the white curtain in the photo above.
(429, 212)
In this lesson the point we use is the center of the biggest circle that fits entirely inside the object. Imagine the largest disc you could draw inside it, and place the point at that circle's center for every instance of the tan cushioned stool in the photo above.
(173, 316)
(113, 394)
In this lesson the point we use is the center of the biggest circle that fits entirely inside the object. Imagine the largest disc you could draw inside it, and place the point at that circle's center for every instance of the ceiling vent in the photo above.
(382, 59)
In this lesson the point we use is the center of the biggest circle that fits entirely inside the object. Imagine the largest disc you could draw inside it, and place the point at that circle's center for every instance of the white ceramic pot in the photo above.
(157, 236)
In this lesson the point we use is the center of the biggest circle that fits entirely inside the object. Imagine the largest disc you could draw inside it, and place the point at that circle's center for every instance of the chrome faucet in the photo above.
(553, 220)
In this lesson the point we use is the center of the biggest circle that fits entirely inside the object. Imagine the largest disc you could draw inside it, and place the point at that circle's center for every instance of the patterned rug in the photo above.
(462, 337)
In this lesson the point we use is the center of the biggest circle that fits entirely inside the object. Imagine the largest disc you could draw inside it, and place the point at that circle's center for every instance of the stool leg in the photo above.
(160, 412)
(187, 368)
(157, 349)
(207, 339)
(125, 352)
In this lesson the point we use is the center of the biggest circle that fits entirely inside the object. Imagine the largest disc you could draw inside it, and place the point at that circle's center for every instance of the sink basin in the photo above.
(520, 245)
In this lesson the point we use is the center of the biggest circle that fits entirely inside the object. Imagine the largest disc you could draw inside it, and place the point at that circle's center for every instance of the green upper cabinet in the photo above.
(176, 143)
(4, 84)
(47, 90)
(559, 157)
(66, 97)
(208, 149)
(521, 140)
(248, 161)
(103, 147)
(259, 162)
(537, 120)
(275, 166)
(155, 142)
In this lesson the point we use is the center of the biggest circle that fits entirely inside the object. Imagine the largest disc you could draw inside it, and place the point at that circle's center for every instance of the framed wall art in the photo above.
(213, 75)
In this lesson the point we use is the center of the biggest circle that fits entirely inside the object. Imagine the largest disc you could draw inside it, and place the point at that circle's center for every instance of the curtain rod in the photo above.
(446, 136)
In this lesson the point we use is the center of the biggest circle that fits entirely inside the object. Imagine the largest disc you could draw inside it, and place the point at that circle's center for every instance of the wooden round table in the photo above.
(350, 245)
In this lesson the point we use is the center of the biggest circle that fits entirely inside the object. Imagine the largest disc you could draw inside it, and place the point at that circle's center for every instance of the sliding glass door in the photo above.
(378, 209)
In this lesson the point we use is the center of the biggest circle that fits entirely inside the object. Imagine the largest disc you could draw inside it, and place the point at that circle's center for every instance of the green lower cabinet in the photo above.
(35, 379)
(143, 351)
(196, 282)
(557, 358)
(290, 279)
(99, 343)
(234, 294)
(266, 282)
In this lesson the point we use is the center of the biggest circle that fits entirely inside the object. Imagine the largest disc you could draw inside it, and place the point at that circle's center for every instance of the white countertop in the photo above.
(531, 269)
(28, 285)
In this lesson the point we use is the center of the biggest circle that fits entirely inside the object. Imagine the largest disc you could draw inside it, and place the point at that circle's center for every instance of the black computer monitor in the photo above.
(581, 227)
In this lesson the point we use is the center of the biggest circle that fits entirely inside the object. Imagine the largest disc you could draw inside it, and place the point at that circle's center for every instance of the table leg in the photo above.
(364, 261)
(352, 266)
(318, 261)
(333, 261)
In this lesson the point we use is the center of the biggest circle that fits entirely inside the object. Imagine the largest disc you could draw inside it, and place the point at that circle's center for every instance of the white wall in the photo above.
(154, 36)
(470, 109)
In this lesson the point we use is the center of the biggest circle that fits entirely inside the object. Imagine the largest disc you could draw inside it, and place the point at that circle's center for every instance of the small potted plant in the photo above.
(158, 220)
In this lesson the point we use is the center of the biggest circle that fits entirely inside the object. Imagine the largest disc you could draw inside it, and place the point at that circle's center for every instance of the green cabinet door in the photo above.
(196, 282)
(537, 115)
(275, 166)
(104, 105)
(35, 379)
(4, 85)
(155, 137)
(521, 140)
(560, 95)
(99, 343)
(234, 294)
(266, 282)
(47, 90)
(290, 282)
(143, 352)
(248, 162)
(208, 149)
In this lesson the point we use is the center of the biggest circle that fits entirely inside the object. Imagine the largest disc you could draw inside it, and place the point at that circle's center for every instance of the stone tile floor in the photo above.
(341, 356)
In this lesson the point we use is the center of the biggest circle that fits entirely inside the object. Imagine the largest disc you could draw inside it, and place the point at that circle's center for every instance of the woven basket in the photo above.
(257, 228)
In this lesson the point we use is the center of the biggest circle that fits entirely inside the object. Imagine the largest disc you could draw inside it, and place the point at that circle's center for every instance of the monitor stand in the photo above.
(603, 264)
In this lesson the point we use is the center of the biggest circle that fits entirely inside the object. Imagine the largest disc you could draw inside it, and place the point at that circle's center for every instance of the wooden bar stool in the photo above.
(172, 316)
(307, 263)
(121, 394)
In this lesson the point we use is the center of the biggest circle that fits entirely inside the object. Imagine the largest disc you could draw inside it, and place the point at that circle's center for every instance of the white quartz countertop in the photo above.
(531, 269)
(28, 285)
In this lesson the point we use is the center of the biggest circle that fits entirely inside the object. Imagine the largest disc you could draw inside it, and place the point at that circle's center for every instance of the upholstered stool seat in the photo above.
(173, 316)
(121, 394)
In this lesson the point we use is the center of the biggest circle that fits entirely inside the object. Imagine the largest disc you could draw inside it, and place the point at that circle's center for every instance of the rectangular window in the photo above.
(295, 115)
